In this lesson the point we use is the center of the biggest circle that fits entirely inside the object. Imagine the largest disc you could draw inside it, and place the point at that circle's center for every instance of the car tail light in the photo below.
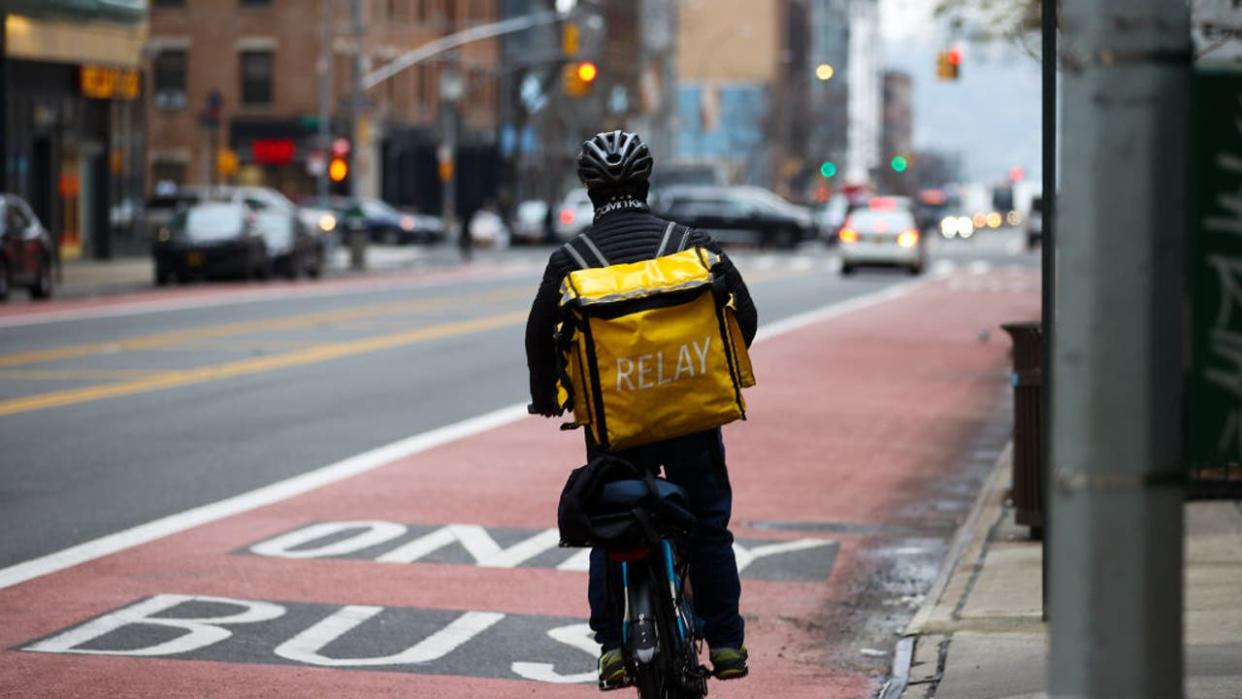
(567, 216)
(908, 238)
(848, 235)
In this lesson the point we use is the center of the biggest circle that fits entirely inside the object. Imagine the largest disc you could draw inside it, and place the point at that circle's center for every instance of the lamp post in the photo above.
(451, 89)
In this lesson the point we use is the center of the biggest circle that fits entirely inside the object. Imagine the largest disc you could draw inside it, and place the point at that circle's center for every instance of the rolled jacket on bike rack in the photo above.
(642, 522)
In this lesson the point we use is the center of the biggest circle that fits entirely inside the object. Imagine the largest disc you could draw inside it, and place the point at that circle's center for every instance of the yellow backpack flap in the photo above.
(651, 350)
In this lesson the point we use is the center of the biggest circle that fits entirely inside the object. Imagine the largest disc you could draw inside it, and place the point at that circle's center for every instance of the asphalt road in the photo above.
(115, 419)
(429, 567)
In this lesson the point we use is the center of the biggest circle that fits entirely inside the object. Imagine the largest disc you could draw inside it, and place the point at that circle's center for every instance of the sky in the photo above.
(991, 115)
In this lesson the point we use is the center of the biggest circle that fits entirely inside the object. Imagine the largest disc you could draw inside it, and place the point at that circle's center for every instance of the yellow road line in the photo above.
(246, 367)
(162, 340)
(75, 374)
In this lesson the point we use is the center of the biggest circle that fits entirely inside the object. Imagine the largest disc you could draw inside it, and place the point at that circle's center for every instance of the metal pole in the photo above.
(324, 139)
(355, 100)
(1048, 261)
(1116, 626)
(4, 107)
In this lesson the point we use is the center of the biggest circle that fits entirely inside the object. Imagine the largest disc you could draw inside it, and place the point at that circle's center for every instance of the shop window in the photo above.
(256, 77)
(168, 73)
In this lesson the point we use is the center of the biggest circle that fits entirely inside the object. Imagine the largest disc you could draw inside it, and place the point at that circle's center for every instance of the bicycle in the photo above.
(649, 589)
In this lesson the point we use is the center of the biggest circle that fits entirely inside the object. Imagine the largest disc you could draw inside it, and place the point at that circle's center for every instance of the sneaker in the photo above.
(611, 669)
(729, 663)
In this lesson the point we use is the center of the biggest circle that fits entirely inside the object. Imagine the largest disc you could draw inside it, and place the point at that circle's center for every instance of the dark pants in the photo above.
(696, 463)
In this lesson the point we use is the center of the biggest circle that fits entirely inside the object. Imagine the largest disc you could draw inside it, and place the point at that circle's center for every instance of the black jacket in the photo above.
(624, 235)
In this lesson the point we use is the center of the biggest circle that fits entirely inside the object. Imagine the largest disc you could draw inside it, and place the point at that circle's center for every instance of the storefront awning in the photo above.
(128, 11)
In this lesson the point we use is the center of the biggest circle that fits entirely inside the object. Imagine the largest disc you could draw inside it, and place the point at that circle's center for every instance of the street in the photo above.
(218, 453)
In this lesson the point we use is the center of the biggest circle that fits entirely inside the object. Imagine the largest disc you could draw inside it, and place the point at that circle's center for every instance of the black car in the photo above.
(27, 251)
(738, 214)
(229, 239)
(383, 222)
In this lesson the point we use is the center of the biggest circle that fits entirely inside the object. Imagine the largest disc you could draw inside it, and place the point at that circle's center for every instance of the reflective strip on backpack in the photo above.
(685, 238)
(668, 232)
(603, 261)
(569, 248)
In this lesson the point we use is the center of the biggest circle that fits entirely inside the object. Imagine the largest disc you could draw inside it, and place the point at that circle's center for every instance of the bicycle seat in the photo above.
(625, 494)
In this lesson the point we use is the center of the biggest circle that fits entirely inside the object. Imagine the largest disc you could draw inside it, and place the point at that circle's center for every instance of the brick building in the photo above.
(261, 56)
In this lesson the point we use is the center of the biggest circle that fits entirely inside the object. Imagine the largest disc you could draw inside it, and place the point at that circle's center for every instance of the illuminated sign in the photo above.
(104, 83)
(273, 151)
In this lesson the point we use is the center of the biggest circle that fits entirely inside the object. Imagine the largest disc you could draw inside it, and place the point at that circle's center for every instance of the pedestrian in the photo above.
(616, 168)
(465, 239)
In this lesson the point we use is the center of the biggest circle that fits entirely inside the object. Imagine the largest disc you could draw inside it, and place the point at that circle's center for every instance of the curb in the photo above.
(952, 585)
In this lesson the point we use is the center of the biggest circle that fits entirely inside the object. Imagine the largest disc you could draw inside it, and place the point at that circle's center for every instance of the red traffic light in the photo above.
(955, 57)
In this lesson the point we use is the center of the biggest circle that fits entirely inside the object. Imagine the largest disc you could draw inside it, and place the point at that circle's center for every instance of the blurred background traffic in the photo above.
(252, 138)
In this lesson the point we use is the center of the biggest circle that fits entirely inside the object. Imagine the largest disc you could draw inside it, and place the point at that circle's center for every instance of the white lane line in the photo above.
(801, 263)
(361, 463)
(267, 495)
(979, 267)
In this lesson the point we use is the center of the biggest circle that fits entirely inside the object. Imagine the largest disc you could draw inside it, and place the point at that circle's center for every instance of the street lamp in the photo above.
(451, 90)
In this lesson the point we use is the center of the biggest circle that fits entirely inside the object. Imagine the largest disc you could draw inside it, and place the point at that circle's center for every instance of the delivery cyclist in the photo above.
(615, 167)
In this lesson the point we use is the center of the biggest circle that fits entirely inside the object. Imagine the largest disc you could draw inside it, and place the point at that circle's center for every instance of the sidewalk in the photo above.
(979, 634)
(99, 277)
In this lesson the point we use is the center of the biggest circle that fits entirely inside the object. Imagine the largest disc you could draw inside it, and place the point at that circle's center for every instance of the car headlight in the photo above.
(407, 223)
(948, 226)
(327, 222)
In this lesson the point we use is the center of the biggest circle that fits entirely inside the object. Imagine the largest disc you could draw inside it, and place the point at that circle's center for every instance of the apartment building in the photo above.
(234, 91)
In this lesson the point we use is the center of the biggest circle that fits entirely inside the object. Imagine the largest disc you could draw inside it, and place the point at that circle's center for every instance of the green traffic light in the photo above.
(828, 169)
(900, 164)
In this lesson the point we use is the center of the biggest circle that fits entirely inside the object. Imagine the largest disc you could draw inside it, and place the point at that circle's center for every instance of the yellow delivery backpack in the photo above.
(650, 350)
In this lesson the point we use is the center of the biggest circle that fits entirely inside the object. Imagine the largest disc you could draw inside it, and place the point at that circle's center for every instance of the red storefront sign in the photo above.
(272, 151)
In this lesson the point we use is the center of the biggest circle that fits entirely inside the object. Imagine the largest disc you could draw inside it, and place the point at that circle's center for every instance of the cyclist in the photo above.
(615, 167)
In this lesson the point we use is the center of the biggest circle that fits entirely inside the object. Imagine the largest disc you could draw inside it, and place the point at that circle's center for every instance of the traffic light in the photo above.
(949, 64)
(579, 77)
(828, 169)
(899, 163)
(338, 169)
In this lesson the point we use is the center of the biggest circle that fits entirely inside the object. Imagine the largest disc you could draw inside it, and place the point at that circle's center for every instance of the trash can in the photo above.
(1028, 427)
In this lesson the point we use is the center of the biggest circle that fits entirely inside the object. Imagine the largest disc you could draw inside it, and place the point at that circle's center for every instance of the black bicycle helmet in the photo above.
(614, 159)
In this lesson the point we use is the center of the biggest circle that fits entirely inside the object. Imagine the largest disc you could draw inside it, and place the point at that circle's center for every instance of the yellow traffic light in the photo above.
(570, 39)
(338, 170)
(948, 64)
(579, 77)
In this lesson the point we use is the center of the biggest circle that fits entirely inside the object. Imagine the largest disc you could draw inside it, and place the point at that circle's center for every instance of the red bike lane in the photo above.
(437, 574)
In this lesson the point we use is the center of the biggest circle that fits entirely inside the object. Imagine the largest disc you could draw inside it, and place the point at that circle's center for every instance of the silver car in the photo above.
(886, 237)
(575, 215)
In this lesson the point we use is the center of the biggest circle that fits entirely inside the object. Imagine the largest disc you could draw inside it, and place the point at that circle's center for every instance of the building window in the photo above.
(256, 77)
(255, 3)
(168, 3)
(168, 74)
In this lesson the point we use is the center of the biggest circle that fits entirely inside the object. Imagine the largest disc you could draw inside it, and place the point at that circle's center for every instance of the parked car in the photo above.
(215, 238)
(738, 214)
(881, 237)
(575, 214)
(27, 250)
(487, 229)
(530, 222)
